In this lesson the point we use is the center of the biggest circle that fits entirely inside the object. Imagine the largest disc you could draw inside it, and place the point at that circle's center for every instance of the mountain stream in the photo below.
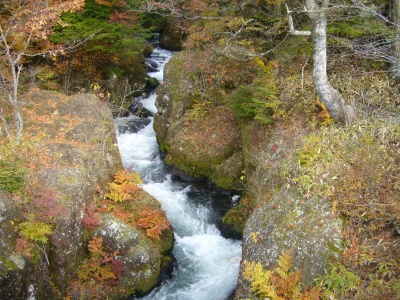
(207, 264)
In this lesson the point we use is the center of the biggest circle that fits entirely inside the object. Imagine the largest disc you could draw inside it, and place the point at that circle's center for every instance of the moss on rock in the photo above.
(287, 221)
(140, 255)
(209, 147)
(238, 215)
(172, 36)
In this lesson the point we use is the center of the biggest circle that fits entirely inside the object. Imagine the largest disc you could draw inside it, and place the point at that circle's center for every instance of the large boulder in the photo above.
(79, 136)
(174, 97)
(288, 221)
(140, 256)
(207, 146)
(71, 155)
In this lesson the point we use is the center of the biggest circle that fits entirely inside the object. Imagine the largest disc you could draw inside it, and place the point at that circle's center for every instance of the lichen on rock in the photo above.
(140, 256)
(289, 221)
(70, 153)
(207, 146)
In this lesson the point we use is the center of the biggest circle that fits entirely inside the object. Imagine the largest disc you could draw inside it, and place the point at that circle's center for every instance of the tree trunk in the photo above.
(328, 95)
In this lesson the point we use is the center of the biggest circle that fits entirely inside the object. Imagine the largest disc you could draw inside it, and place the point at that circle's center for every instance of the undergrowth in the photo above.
(356, 167)
(281, 283)
(127, 202)
(97, 277)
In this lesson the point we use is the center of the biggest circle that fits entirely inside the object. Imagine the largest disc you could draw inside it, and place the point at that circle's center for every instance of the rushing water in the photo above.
(207, 263)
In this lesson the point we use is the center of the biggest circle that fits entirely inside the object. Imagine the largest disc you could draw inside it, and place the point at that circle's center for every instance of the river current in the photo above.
(207, 263)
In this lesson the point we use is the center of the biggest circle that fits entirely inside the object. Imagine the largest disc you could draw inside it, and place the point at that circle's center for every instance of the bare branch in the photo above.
(292, 31)
(361, 6)
(167, 8)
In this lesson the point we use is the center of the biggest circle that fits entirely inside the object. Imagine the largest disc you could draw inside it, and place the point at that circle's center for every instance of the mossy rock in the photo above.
(174, 97)
(288, 221)
(227, 175)
(147, 50)
(235, 219)
(73, 149)
(209, 147)
(153, 82)
(141, 257)
(172, 36)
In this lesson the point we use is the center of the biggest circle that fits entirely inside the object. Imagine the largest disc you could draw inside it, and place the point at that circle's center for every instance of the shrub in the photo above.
(11, 175)
(259, 100)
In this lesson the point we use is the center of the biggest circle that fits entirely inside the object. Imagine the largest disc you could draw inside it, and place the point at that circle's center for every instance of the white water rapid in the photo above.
(207, 263)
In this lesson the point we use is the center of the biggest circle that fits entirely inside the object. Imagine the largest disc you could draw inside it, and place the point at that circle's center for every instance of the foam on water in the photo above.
(208, 264)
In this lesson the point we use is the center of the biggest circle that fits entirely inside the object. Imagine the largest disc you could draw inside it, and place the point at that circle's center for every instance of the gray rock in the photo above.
(20, 278)
(140, 255)
(287, 221)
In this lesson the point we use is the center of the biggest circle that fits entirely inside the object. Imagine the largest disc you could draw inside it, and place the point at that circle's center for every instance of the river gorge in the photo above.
(207, 264)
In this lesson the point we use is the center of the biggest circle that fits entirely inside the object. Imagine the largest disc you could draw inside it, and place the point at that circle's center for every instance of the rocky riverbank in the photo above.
(69, 157)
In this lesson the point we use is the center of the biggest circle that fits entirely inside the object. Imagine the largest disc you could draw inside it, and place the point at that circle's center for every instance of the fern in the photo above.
(123, 176)
(261, 284)
(153, 221)
(124, 187)
(35, 231)
(286, 283)
(279, 284)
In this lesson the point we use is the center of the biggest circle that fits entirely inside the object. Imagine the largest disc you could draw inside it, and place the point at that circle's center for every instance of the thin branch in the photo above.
(363, 7)
(44, 252)
(6, 128)
(168, 9)
(292, 31)
(302, 72)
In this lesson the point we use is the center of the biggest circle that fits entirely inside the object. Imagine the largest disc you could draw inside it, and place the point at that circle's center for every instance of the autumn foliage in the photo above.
(124, 187)
(128, 202)
(153, 221)
(35, 17)
(280, 283)
(41, 216)
(98, 275)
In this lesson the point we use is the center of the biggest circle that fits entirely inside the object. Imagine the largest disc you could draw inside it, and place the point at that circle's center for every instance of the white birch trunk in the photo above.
(328, 95)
